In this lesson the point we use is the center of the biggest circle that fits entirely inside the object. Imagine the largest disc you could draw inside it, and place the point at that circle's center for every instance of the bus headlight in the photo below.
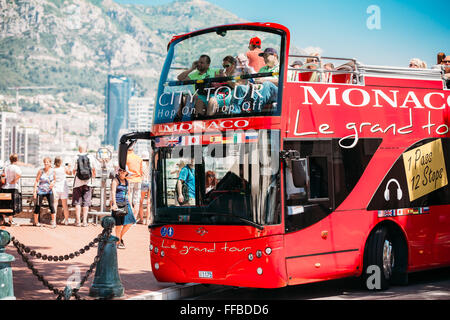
(250, 257)
(268, 250)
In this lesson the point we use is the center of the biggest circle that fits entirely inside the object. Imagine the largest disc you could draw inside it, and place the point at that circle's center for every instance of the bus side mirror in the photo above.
(126, 141)
(299, 172)
(123, 151)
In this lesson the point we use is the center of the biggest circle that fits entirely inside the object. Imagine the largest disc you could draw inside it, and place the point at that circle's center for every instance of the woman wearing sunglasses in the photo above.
(221, 96)
(119, 201)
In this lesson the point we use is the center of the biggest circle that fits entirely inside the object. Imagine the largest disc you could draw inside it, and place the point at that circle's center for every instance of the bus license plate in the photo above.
(205, 274)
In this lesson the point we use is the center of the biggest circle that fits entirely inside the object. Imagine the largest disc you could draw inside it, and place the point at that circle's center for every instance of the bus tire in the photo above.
(379, 260)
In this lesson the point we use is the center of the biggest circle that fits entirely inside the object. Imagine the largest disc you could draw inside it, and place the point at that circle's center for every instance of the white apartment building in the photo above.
(8, 128)
(14, 138)
(28, 146)
(140, 117)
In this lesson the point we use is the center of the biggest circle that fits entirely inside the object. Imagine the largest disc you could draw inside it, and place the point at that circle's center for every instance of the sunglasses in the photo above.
(445, 61)
(413, 65)
(226, 65)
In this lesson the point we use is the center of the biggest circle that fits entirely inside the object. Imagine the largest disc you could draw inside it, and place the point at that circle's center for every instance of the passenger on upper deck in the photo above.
(242, 65)
(221, 96)
(254, 97)
(253, 55)
(440, 64)
(270, 56)
(327, 75)
(440, 57)
(417, 63)
(293, 74)
(202, 71)
(312, 64)
(446, 63)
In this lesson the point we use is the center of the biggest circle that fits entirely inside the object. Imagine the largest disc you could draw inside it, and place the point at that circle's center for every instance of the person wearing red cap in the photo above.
(254, 60)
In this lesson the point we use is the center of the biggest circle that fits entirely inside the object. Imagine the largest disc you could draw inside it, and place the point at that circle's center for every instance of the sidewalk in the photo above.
(134, 262)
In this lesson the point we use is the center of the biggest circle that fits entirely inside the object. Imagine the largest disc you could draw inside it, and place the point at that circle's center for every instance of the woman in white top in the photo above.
(12, 176)
(61, 189)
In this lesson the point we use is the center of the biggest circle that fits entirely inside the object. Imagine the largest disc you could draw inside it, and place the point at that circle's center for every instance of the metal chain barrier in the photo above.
(23, 251)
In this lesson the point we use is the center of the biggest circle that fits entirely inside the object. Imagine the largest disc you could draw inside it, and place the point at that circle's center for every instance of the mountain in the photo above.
(68, 47)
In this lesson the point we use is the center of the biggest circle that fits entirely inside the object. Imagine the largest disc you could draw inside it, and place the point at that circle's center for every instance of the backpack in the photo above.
(84, 171)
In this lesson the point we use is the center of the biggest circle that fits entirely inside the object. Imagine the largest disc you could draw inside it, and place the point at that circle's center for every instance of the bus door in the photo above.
(305, 210)
(316, 234)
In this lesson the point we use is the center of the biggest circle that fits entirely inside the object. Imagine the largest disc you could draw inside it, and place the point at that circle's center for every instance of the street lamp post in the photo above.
(103, 156)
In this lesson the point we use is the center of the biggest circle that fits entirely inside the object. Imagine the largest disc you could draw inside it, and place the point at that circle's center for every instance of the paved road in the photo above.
(429, 285)
(133, 262)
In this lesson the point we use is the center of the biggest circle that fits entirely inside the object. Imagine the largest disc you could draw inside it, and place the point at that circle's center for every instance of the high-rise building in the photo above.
(8, 134)
(28, 146)
(16, 139)
(118, 92)
(140, 117)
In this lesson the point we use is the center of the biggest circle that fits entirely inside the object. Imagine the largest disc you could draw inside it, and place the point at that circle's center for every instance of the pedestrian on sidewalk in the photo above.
(43, 188)
(61, 189)
(145, 189)
(84, 171)
(134, 168)
(12, 173)
(120, 194)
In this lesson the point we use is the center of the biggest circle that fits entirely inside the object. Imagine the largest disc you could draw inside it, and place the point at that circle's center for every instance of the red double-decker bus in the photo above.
(283, 176)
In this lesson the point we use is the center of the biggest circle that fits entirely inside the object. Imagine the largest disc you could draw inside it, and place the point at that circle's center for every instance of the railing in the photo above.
(27, 186)
(358, 70)
(350, 67)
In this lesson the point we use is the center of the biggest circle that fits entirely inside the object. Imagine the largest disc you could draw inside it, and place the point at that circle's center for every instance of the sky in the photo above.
(374, 32)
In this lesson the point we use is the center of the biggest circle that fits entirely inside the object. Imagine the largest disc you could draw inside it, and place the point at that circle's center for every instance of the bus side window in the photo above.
(318, 175)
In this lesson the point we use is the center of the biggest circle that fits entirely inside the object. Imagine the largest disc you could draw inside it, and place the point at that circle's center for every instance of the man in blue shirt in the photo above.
(187, 175)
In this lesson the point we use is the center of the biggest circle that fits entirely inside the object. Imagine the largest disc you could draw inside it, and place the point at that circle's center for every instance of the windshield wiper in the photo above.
(247, 221)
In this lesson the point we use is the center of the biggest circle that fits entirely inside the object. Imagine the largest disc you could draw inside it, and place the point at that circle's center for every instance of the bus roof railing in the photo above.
(371, 70)
(389, 71)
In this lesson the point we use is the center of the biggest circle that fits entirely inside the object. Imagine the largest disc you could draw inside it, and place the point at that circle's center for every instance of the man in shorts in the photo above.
(82, 189)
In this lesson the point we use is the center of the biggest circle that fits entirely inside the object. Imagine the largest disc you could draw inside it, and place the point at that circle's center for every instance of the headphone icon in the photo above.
(399, 190)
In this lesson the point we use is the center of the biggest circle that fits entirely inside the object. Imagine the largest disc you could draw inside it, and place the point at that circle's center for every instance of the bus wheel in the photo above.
(379, 260)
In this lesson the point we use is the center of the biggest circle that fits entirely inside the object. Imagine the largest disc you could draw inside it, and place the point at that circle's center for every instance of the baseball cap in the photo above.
(268, 50)
(297, 62)
(255, 41)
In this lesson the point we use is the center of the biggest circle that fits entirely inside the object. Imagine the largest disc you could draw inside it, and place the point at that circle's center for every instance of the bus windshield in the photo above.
(217, 179)
(216, 74)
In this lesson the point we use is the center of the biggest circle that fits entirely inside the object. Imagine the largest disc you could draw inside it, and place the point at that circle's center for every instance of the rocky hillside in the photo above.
(71, 45)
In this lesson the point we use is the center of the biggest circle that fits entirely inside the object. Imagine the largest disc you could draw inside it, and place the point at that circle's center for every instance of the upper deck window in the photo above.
(226, 72)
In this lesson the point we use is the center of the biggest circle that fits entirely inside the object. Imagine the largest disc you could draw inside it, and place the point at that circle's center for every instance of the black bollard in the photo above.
(107, 282)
